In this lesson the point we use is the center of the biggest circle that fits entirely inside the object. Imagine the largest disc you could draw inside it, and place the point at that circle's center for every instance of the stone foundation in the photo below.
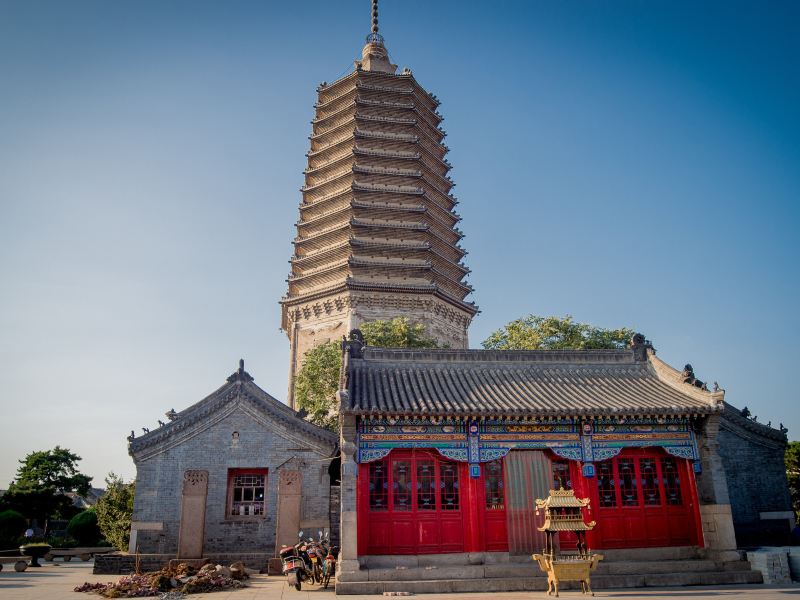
(120, 563)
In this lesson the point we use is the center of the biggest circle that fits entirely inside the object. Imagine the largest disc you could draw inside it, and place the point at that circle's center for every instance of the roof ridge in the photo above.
(501, 356)
(240, 385)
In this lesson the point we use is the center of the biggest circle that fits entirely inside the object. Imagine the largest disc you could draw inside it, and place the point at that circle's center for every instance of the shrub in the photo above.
(114, 511)
(83, 527)
(12, 528)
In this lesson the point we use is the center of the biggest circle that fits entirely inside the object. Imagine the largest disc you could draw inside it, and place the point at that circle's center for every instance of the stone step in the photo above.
(479, 558)
(531, 569)
(539, 583)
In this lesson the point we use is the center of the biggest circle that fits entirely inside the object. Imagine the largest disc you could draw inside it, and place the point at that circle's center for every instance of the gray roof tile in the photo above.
(534, 383)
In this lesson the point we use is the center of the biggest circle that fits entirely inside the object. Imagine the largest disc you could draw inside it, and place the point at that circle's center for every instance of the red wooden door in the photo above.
(643, 498)
(492, 507)
(411, 502)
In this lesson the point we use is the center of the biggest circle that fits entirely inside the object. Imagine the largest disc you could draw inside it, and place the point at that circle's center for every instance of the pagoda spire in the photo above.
(374, 56)
(377, 236)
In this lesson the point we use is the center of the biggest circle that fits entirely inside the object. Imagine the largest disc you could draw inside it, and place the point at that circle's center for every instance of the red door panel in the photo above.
(643, 498)
(492, 508)
(417, 502)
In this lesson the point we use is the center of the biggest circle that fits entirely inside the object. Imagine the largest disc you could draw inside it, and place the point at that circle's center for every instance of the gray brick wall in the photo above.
(752, 456)
(160, 478)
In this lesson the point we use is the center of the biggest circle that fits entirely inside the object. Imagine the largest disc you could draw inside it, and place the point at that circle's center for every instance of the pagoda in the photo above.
(377, 236)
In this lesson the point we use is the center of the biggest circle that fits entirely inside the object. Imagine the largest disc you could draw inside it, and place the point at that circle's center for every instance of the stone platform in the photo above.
(499, 572)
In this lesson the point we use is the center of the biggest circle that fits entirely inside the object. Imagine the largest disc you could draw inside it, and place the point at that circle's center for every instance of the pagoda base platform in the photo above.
(499, 572)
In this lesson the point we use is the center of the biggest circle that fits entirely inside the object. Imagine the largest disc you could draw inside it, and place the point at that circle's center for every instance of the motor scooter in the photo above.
(296, 563)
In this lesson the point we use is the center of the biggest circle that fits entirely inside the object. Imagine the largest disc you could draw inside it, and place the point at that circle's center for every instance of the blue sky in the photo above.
(630, 163)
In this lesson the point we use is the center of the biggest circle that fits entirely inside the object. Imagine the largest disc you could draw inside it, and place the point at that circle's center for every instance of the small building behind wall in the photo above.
(444, 451)
(230, 478)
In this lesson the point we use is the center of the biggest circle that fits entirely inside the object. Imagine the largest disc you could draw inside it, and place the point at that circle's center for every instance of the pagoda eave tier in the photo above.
(365, 286)
(377, 216)
(399, 255)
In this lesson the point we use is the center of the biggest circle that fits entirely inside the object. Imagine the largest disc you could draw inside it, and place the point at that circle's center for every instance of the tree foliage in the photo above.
(555, 333)
(316, 383)
(115, 510)
(83, 527)
(792, 459)
(43, 479)
(397, 333)
(317, 380)
(12, 526)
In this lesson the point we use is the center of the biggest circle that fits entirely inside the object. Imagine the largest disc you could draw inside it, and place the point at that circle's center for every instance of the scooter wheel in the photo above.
(297, 586)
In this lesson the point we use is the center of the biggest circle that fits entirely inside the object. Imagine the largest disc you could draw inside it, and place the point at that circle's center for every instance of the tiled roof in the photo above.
(240, 390)
(518, 383)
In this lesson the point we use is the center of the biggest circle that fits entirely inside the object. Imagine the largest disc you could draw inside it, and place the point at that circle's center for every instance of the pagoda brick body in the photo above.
(377, 235)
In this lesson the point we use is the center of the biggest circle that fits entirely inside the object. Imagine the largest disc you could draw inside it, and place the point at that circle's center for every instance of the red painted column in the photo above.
(694, 503)
(470, 510)
(362, 509)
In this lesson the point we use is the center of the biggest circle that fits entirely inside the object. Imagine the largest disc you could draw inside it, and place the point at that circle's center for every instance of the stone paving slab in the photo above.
(55, 581)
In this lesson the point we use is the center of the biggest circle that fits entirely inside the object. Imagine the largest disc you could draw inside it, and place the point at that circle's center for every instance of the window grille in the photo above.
(401, 485)
(606, 489)
(627, 482)
(494, 485)
(650, 491)
(561, 478)
(672, 481)
(449, 486)
(247, 492)
(378, 486)
(426, 485)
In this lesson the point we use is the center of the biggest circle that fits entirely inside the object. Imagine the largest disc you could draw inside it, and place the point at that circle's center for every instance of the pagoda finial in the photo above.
(374, 56)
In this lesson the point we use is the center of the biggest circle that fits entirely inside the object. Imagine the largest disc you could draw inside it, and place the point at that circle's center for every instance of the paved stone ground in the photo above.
(55, 581)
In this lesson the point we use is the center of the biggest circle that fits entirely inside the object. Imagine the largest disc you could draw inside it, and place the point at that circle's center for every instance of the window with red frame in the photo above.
(247, 493)
(378, 486)
(672, 481)
(561, 478)
(494, 485)
(605, 484)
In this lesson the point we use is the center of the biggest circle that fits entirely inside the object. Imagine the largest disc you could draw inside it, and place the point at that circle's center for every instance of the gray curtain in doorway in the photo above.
(528, 476)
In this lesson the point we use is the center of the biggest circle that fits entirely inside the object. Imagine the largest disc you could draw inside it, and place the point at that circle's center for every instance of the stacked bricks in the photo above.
(773, 564)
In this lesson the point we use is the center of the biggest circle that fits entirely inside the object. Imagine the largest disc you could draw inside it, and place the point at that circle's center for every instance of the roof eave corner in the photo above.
(134, 449)
(674, 378)
(352, 348)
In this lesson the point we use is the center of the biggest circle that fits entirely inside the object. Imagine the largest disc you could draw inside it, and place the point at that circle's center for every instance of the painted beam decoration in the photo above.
(477, 441)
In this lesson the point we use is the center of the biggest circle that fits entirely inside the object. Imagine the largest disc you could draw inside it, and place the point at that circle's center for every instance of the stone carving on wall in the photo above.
(195, 483)
(289, 478)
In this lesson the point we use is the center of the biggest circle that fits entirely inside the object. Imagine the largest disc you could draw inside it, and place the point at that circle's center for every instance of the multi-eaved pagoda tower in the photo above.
(377, 235)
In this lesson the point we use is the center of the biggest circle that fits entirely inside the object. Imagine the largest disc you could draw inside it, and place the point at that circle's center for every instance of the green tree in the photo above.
(43, 480)
(83, 527)
(317, 380)
(792, 459)
(316, 383)
(12, 526)
(554, 333)
(397, 333)
(114, 511)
